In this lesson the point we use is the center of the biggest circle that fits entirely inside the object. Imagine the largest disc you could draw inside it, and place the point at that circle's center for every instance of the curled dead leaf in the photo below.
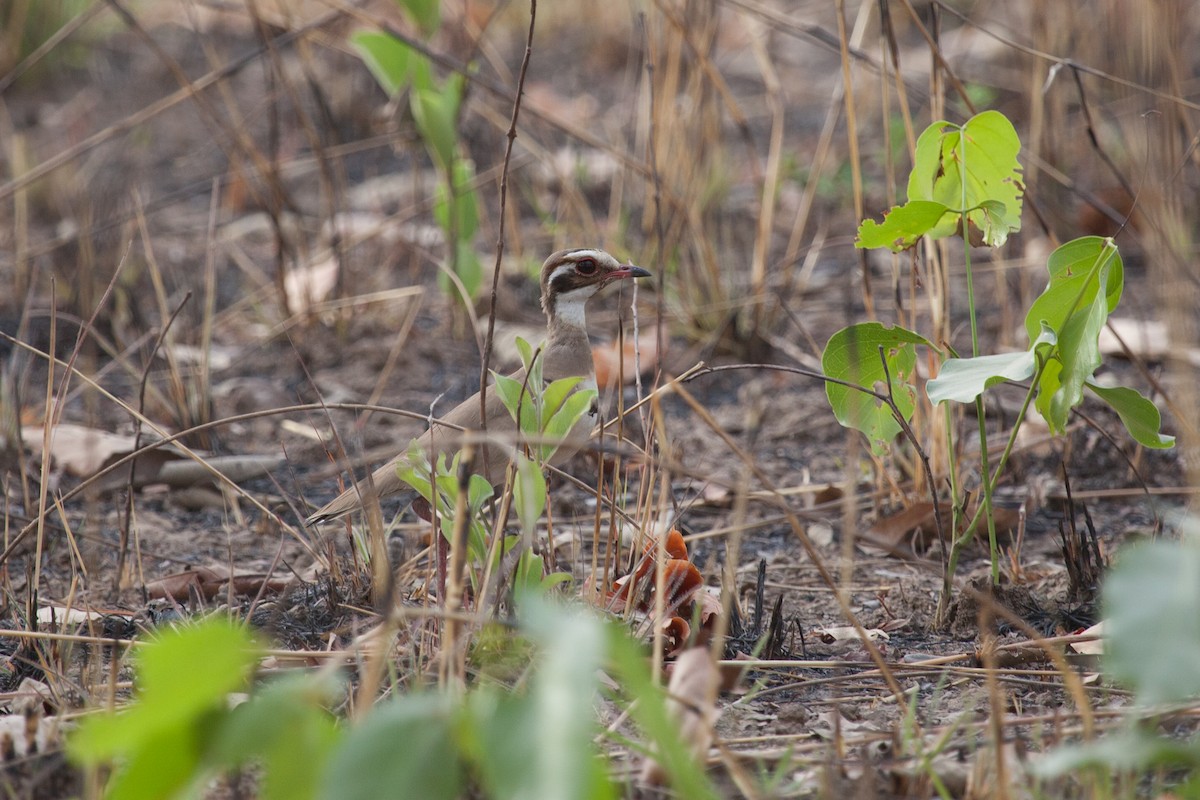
(209, 582)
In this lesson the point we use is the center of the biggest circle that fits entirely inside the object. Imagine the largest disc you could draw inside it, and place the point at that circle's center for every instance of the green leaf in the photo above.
(453, 89)
(516, 398)
(1086, 280)
(420, 72)
(964, 379)
(1140, 416)
(466, 205)
(991, 219)
(183, 676)
(510, 391)
(554, 394)
(1077, 271)
(538, 743)
(465, 208)
(853, 355)
(416, 471)
(526, 351)
(529, 494)
(285, 726)
(555, 756)
(530, 578)
(479, 491)
(386, 57)
(469, 267)
(973, 169)
(403, 748)
(434, 115)
(215, 655)
(563, 422)
(1152, 620)
(904, 225)
(1124, 750)
(166, 769)
(426, 13)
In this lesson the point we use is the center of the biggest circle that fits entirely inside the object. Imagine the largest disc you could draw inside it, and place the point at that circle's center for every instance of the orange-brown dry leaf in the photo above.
(210, 582)
(911, 527)
(692, 699)
(681, 580)
(915, 528)
(676, 633)
(205, 581)
(642, 578)
(675, 546)
(613, 360)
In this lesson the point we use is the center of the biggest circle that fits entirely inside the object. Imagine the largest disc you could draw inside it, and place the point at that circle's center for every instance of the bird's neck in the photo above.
(569, 317)
(568, 351)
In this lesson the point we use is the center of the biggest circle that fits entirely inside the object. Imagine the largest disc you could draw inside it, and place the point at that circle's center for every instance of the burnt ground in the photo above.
(415, 352)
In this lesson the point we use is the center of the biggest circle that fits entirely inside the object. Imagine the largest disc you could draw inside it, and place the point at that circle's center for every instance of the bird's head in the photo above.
(570, 277)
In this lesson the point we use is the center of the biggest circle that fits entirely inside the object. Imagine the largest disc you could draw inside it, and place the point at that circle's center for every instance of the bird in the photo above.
(569, 278)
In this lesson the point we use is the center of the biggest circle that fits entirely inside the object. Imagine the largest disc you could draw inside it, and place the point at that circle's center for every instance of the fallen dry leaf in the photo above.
(914, 529)
(614, 360)
(78, 449)
(1092, 647)
(209, 582)
(692, 703)
(840, 633)
(684, 590)
(307, 286)
(62, 615)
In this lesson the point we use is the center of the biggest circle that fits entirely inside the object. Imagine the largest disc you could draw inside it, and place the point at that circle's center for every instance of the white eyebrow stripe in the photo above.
(575, 255)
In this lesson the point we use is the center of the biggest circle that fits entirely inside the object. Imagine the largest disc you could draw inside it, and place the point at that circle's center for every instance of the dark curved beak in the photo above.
(628, 271)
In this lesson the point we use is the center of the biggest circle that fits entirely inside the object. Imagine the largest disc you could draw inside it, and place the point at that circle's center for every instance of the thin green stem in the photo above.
(969, 530)
(986, 505)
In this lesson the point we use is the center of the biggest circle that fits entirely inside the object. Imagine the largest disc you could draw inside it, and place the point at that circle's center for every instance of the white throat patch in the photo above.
(569, 307)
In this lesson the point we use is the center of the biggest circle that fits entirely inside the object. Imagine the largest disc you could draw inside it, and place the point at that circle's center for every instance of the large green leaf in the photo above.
(853, 355)
(972, 168)
(160, 741)
(1077, 270)
(216, 655)
(964, 379)
(404, 748)
(285, 726)
(649, 710)
(563, 421)
(1086, 279)
(434, 113)
(556, 392)
(465, 221)
(1152, 620)
(467, 267)
(516, 398)
(1140, 416)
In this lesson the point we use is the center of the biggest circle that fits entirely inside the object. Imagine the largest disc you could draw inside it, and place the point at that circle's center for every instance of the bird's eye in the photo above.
(586, 266)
